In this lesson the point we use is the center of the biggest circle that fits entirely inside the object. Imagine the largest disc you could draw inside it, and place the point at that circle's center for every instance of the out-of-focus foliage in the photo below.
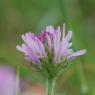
(20, 16)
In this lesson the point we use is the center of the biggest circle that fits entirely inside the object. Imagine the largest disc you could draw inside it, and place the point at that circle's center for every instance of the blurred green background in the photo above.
(20, 16)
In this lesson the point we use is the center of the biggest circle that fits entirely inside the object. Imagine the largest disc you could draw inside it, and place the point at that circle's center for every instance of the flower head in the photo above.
(52, 41)
(50, 51)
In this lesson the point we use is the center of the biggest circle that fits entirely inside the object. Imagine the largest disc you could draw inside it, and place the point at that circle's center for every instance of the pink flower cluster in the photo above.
(7, 81)
(49, 41)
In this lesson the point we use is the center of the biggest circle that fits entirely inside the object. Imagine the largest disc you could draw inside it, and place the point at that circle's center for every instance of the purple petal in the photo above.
(50, 29)
(27, 38)
(77, 53)
(22, 48)
(30, 40)
(33, 47)
(41, 36)
(41, 47)
(57, 37)
(63, 49)
(19, 48)
(49, 38)
(25, 49)
(30, 55)
(33, 59)
(69, 36)
(64, 45)
(38, 46)
(70, 58)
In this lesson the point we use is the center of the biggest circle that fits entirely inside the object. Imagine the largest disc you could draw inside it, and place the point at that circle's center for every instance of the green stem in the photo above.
(50, 87)
(17, 81)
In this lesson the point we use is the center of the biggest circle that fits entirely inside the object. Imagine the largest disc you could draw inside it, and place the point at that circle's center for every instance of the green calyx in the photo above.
(49, 69)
